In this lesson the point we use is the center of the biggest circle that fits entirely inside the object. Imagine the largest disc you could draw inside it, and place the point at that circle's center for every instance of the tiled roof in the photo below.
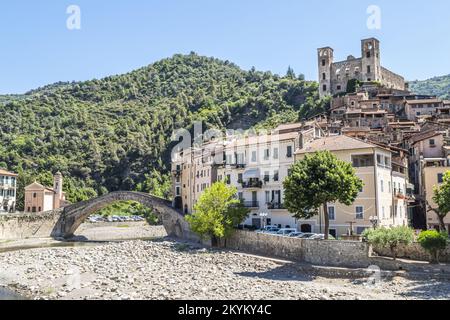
(423, 135)
(335, 143)
(423, 101)
(7, 173)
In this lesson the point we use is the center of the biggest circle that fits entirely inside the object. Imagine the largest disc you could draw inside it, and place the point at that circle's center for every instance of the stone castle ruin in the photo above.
(334, 76)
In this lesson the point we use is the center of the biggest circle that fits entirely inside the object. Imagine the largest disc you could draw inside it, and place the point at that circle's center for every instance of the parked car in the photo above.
(321, 237)
(296, 234)
(307, 235)
(285, 231)
(269, 229)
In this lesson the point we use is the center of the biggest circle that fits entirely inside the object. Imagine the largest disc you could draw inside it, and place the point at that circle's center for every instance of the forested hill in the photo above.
(114, 133)
(438, 86)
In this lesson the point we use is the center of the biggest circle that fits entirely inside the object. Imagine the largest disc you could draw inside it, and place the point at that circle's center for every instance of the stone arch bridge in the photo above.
(71, 217)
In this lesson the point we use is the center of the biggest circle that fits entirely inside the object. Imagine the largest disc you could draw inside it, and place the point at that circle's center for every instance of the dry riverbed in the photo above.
(170, 270)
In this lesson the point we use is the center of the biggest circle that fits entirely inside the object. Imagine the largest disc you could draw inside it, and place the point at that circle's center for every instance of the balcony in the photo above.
(398, 194)
(251, 204)
(238, 166)
(177, 173)
(252, 184)
(275, 206)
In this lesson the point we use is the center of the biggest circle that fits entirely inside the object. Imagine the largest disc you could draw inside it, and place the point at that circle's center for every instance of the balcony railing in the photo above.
(275, 206)
(239, 166)
(252, 184)
(177, 173)
(251, 204)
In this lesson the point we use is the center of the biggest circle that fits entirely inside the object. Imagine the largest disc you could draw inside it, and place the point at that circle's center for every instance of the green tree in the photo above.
(442, 199)
(390, 238)
(316, 181)
(433, 242)
(290, 73)
(353, 85)
(217, 212)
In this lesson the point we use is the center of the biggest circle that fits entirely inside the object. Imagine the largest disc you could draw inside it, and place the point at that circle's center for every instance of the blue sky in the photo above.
(118, 36)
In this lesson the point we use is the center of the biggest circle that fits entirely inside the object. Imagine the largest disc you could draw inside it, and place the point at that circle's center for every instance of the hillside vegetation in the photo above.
(114, 133)
(438, 86)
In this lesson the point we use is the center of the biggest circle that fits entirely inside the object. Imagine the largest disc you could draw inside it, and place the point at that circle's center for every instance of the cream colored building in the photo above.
(255, 164)
(8, 187)
(377, 201)
(433, 171)
(39, 198)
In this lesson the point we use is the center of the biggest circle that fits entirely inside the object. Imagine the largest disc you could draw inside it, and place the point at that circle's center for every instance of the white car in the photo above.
(321, 237)
(269, 229)
(286, 231)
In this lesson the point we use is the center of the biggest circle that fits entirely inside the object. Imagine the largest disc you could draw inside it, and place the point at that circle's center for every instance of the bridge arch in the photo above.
(74, 215)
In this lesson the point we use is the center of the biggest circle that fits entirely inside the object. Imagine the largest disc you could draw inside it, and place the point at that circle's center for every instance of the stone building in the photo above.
(334, 76)
(39, 198)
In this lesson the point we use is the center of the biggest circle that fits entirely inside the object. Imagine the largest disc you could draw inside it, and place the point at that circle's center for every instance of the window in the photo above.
(368, 54)
(359, 212)
(228, 179)
(266, 176)
(360, 230)
(253, 156)
(382, 185)
(440, 177)
(229, 159)
(389, 186)
(324, 87)
(240, 178)
(240, 196)
(324, 62)
(383, 213)
(268, 197)
(324, 76)
(333, 233)
(34, 195)
(275, 153)
(332, 213)
(289, 152)
(432, 143)
(266, 154)
(276, 176)
(338, 87)
(361, 161)
(368, 70)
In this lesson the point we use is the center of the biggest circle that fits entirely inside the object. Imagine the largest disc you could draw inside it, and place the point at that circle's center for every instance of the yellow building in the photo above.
(432, 176)
(377, 202)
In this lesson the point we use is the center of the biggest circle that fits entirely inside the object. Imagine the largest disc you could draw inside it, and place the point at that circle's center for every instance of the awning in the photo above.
(252, 174)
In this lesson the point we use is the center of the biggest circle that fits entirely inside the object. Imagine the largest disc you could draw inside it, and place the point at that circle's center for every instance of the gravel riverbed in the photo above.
(171, 270)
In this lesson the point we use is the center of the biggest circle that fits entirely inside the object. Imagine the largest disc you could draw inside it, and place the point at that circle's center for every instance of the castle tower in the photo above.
(371, 66)
(58, 187)
(325, 61)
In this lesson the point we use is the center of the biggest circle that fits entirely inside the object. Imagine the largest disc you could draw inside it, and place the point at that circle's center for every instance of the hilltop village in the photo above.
(397, 141)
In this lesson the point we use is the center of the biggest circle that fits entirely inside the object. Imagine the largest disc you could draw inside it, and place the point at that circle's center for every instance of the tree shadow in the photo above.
(285, 272)
(428, 289)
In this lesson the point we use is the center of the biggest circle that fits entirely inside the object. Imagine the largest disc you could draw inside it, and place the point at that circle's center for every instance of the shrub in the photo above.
(390, 238)
(433, 242)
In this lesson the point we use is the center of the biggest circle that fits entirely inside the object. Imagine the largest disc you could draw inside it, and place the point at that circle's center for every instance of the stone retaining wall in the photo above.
(25, 226)
(331, 253)
(414, 252)
(344, 254)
